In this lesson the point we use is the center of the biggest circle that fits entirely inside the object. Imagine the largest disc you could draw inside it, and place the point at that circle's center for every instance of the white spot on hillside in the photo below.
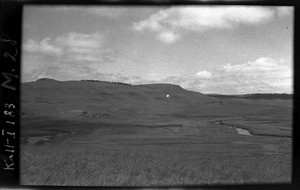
(167, 95)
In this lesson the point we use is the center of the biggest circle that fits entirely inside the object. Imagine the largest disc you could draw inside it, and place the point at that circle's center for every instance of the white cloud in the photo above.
(204, 74)
(78, 50)
(72, 54)
(69, 47)
(198, 19)
(80, 40)
(168, 37)
(42, 47)
(264, 75)
(153, 22)
(81, 47)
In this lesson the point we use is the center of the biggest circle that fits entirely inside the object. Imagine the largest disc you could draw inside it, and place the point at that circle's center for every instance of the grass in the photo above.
(87, 166)
(147, 139)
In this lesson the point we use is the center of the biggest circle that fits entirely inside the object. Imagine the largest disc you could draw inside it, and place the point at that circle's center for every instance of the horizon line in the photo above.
(95, 80)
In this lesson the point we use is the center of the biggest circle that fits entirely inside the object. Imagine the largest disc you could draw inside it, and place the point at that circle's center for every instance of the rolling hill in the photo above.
(57, 98)
(116, 102)
(103, 133)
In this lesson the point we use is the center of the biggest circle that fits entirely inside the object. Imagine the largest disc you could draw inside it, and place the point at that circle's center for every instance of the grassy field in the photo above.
(80, 133)
(67, 165)
(185, 154)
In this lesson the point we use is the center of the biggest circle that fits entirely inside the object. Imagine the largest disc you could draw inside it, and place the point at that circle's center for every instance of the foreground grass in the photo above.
(67, 165)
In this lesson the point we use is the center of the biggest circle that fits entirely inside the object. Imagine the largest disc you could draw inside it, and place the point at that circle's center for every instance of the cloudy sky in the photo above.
(209, 49)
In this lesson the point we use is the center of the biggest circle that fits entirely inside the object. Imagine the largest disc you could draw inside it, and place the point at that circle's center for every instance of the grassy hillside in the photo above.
(73, 99)
(64, 98)
(100, 133)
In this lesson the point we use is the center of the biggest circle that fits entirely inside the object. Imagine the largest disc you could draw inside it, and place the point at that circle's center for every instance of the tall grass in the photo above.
(88, 166)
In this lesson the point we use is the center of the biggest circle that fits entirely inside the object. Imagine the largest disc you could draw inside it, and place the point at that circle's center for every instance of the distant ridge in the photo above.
(257, 96)
(46, 79)
(92, 80)
(166, 87)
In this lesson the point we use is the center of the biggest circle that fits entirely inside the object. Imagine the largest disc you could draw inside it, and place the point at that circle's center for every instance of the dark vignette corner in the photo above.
(11, 15)
(11, 22)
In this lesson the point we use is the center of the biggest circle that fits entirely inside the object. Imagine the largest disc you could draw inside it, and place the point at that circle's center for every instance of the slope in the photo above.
(116, 102)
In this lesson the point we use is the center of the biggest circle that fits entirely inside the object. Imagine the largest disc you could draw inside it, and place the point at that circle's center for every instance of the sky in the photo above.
(208, 49)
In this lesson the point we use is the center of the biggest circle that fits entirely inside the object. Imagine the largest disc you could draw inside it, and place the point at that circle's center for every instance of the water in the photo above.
(33, 140)
(242, 131)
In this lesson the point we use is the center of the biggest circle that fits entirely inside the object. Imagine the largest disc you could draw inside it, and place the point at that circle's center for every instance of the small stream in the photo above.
(242, 131)
(42, 139)
(239, 130)
(34, 140)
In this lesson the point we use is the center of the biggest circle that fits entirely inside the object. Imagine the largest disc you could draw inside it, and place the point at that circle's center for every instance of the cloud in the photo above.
(81, 47)
(168, 36)
(74, 39)
(263, 75)
(170, 23)
(42, 47)
(65, 72)
(204, 74)
(69, 47)
(66, 56)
